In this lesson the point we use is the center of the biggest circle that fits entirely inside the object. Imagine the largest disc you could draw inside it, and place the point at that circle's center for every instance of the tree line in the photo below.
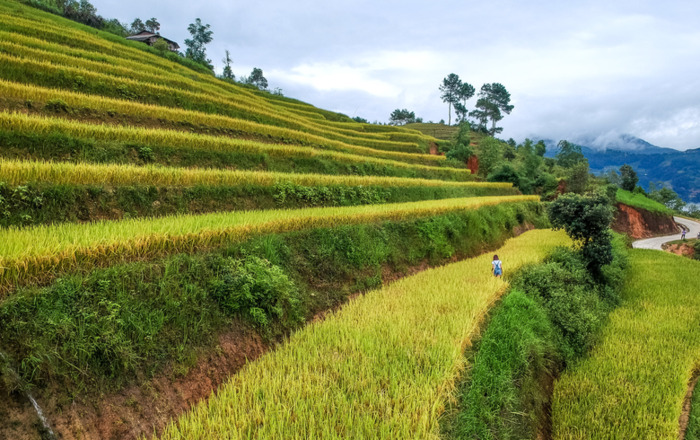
(493, 102)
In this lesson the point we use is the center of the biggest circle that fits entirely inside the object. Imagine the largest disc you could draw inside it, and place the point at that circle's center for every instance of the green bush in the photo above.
(586, 219)
(257, 289)
(569, 295)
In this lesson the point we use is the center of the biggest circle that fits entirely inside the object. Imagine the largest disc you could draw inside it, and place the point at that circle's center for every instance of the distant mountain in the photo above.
(678, 169)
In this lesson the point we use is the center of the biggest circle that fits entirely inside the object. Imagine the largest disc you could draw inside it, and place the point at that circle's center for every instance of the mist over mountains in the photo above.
(679, 170)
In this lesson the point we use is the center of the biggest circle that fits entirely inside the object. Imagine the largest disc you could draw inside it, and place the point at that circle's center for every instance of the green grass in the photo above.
(385, 363)
(641, 201)
(502, 398)
(634, 382)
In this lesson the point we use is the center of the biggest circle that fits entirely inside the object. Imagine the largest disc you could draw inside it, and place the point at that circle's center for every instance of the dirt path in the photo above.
(657, 242)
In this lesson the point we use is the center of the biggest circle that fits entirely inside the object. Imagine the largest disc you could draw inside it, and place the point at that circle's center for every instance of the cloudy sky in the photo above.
(573, 68)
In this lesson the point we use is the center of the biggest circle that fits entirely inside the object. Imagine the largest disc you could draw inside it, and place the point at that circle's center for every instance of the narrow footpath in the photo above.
(693, 227)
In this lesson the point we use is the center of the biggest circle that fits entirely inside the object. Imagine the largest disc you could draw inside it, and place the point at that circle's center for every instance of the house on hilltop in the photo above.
(150, 38)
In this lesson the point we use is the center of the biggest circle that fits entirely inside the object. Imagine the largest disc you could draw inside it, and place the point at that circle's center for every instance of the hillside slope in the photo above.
(162, 227)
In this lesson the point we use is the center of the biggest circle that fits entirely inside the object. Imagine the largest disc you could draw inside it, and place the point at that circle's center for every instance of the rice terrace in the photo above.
(190, 254)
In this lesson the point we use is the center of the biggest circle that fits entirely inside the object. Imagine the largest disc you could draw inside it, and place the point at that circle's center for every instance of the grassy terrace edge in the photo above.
(38, 253)
(641, 201)
(33, 192)
(384, 367)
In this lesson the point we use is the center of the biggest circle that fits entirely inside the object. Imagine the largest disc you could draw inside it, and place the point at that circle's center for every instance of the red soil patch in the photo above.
(640, 223)
(140, 410)
(473, 164)
(434, 149)
(684, 250)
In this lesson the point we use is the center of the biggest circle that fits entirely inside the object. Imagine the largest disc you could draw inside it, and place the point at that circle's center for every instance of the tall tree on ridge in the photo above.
(450, 89)
(466, 91)
(201, 35)
(257, 79)
(228, 72)
(494, 100)
(152, 25)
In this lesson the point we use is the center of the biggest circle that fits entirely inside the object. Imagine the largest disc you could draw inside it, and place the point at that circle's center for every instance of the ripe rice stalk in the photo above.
(64, 76)
(22, 93)
(169, 138)
(633, 383)
(140, 59)
(19, 172)
(33, 254)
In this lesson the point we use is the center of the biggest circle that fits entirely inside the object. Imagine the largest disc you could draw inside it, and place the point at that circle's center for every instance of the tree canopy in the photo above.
(450, 89)
(257, 79)
(569, 154)
(402, 117)
(493, 102)
(628, 178)
(201, 36)
(586, 221)
(228, 72)
(456, 93)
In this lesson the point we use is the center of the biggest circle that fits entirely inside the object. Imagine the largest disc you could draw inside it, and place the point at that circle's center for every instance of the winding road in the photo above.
(692, 226)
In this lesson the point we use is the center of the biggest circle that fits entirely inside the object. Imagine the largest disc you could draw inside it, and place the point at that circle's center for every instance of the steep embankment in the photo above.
(641, 223)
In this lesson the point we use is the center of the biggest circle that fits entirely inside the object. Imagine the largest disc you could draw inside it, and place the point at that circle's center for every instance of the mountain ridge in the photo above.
(679, 170)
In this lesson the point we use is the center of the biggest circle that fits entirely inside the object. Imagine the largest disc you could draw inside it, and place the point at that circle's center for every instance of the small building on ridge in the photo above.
(150, 38)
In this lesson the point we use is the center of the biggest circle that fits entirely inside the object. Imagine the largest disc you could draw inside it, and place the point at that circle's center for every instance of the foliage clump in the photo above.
(258, 289)
(586, 220)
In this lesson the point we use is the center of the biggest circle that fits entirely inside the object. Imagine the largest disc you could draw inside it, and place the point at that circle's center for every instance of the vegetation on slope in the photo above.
(39, 253)
(638, 200)
(634, 382)
(122, 72)
(47, 192)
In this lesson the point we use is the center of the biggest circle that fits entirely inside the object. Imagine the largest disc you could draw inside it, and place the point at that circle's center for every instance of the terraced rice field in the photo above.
(32, 252)
(382, 367)
(634, 383)
(94, 127)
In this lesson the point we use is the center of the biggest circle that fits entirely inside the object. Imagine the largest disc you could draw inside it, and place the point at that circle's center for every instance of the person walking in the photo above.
(496, 267)
(683, 234)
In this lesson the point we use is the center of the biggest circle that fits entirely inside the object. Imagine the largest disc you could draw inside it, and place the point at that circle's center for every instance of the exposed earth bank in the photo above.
(640, 223)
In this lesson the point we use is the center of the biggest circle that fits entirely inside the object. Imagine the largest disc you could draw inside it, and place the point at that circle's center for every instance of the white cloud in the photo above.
(572, 68)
